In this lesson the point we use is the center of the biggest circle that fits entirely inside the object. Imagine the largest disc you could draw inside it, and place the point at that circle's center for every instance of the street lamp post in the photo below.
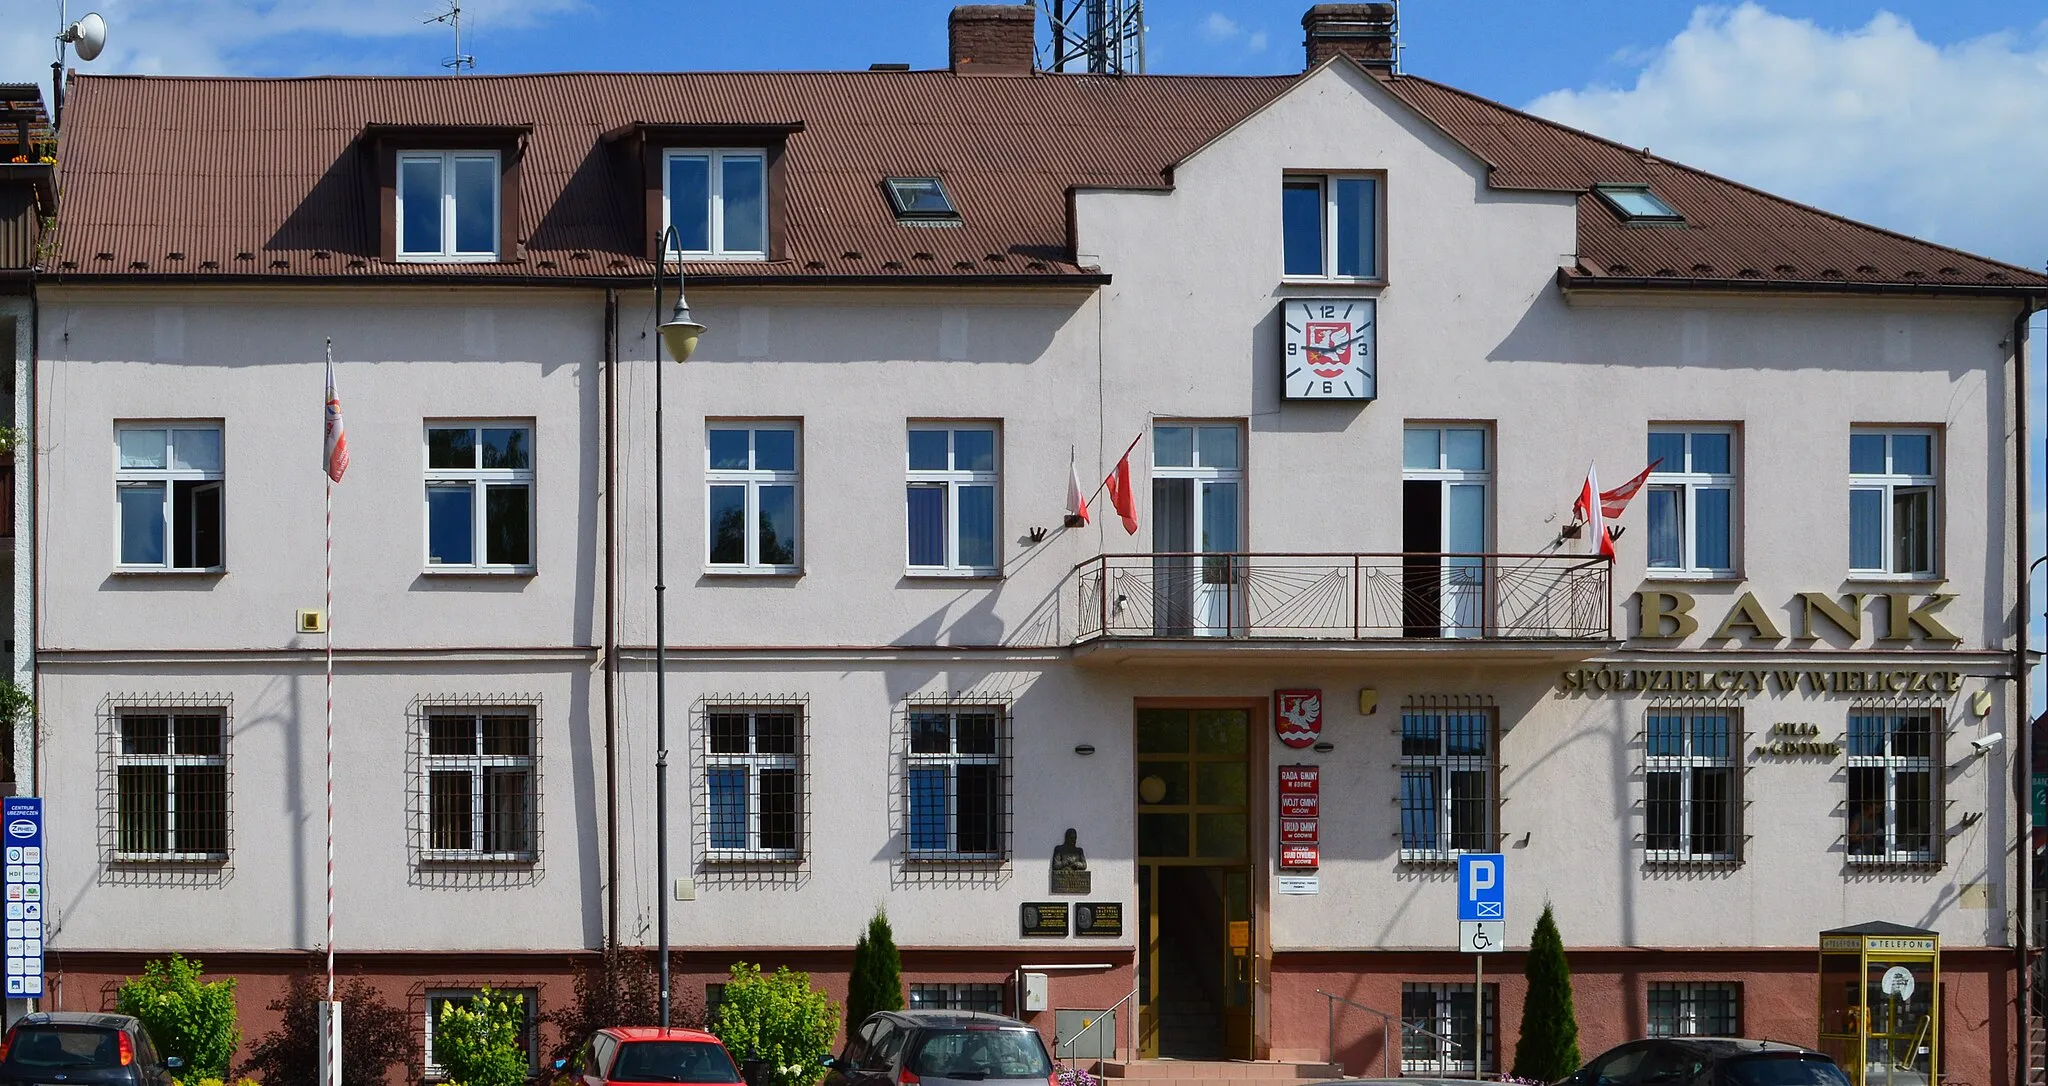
(680, 333)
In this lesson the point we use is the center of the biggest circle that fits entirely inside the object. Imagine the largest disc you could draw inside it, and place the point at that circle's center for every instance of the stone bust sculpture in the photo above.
(1067, 856)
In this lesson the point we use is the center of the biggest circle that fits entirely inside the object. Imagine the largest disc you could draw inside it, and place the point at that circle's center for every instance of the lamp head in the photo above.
(680, 332)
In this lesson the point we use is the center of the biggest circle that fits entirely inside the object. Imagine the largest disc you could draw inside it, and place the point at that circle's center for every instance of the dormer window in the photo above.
(718, 202)
(448, 205)
(920, 199)
(1636, 203)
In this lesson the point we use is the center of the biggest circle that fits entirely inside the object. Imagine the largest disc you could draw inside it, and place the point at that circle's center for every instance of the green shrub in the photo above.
(1548, 1048)
(781, 1019)
(185, 1017)
(876, 982)
(476, 1041)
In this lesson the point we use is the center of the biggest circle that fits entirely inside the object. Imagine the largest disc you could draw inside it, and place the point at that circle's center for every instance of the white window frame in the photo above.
(1327, 182)
(1683, 764)
(1441, 765)
(1685, 999)
(1441, 1024)
(950, 762)
(479, 480)
(1895, 765)
(1687, 483)
(753, 479)
(716, 208)
(951, 480)
(528, 1036)
(170, 763)
(448, 253)
(753, 763)
(166, 479)
(1887, 484)
(478, 766)
(1466, 582)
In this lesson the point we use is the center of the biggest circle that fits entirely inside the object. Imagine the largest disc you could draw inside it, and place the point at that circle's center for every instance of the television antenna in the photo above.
(461, 61)
(90, 35)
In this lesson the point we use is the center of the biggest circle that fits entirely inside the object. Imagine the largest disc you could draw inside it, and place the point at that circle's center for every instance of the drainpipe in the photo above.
(611, 641)
(2023, 772)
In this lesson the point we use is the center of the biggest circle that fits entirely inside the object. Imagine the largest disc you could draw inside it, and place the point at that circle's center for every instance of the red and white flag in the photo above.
(1077, 503)
(1120, 496)
(335, 461)
(1612, 502)
(1591, 511)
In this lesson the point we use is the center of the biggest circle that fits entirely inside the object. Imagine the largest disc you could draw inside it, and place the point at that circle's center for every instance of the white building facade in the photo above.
(898, 678)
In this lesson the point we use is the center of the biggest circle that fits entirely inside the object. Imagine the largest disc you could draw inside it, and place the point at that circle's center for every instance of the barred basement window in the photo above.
(1892, 758)
(1690, 805)
(1447, 795)
(957, 997)
(958, 783)
(1695, 1010)
(754, 782)
(481, 784)
(171, 785)
(1436, 1028)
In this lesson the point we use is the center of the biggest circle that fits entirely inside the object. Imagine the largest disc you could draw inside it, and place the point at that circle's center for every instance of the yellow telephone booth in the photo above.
(1880, 1003)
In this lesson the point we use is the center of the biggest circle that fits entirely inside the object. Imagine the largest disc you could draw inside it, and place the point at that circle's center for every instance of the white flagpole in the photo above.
(330, 1016)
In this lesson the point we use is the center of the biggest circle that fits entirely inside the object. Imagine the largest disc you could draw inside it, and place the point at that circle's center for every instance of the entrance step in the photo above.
(1211, 1072)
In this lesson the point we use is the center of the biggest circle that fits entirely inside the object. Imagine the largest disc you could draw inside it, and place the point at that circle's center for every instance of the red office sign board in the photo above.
(1300, 778)
(1298, 830)
(1298, 806)
(1297, 857)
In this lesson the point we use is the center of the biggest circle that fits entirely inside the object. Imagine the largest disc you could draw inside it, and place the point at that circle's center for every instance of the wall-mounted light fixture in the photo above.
(1324, 747)
(1084, 749)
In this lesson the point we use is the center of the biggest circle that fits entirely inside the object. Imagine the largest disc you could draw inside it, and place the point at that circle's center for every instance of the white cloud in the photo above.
(1256, 43)
(1944, 142)
(1219, 27)
(236, 37)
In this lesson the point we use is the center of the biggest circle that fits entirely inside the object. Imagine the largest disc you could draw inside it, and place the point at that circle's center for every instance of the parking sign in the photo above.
(1482, 886)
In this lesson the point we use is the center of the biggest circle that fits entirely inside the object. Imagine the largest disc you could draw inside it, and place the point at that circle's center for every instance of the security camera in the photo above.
(1983, 743)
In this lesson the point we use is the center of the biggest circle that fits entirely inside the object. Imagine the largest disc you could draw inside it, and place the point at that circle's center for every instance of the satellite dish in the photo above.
(90, 35)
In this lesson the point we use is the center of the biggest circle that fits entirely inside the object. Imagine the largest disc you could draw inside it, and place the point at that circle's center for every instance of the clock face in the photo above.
(1328, 349)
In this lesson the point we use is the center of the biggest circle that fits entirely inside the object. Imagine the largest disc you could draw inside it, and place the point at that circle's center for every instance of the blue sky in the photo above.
(1924, 116)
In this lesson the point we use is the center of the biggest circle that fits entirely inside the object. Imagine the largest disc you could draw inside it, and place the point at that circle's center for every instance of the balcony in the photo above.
(1201, 606)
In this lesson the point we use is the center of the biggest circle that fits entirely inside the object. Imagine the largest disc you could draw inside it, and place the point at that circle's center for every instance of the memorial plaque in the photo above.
(1043, 919)
(1103, 918)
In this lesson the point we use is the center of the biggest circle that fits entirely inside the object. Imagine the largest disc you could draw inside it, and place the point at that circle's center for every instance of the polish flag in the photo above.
(1077, 503)
(335, 462)
(1612, 502)
(1591, 511)
(1120, 496)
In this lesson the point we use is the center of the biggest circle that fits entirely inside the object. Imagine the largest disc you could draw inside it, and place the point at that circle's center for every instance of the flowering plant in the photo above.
(1074, 1076)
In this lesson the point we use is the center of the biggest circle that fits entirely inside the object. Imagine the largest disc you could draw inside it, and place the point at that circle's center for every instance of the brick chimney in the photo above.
(1363, 32)
(993, 39)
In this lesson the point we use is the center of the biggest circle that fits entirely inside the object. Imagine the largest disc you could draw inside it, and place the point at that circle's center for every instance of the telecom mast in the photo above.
(1109, 35)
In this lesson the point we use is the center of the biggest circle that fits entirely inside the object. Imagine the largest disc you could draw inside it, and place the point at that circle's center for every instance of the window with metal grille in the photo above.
(1691, 810)
(481, 784)
(1436, 1029)
(1893, 754)
(1695, 1010)
(441, 998)
(957, 997)
(171, 785)
(958, 783)
(754, 782)
(1447, 793)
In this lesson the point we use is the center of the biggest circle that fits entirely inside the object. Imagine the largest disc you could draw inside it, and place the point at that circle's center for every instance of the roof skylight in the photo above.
(920, 198)
(1637, 203)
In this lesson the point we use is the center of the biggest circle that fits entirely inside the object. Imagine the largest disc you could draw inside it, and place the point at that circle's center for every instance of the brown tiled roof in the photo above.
(271, 178)
(1733, 235)
(219, 177)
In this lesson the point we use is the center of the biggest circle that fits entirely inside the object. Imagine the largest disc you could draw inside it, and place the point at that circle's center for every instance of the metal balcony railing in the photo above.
(1347, 596)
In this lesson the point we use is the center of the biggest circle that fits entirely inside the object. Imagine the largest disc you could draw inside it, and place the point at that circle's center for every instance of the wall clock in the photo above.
(1329, 349)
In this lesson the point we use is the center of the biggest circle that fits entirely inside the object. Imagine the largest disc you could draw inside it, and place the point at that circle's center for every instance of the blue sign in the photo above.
(22, 817)
(1482, 886)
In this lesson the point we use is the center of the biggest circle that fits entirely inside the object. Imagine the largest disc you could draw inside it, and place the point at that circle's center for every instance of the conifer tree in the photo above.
(876, 983)
(1548, 1048)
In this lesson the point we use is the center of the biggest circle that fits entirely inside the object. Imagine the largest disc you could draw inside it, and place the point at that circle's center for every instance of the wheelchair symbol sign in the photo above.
(1482, 936)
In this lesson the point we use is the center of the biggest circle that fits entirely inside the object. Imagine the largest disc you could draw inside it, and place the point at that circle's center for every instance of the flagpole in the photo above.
(330, 699)
(1104, 484)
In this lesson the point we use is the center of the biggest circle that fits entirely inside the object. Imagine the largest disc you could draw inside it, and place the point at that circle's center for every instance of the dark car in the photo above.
(74, 1047)
(649, 1054)
(935, 1048)
(1708, 1061)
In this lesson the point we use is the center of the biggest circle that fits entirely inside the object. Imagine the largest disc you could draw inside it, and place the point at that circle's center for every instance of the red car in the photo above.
(649, 1054)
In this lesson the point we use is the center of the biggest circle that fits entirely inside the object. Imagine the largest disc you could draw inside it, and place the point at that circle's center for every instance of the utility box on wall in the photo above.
(1074, 1038)
(1035, 986)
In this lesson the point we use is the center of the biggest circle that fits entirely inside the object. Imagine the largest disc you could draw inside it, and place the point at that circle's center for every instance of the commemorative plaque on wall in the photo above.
(1043, 919)
(1103, 918)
